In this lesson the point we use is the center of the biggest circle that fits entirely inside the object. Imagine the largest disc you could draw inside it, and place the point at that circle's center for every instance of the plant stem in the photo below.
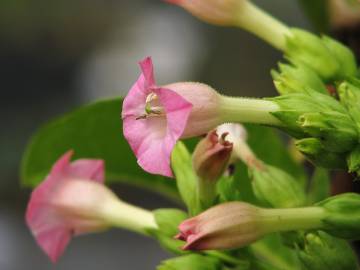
(255, 20)
(288, 219)
(126, 216)
(248, 110)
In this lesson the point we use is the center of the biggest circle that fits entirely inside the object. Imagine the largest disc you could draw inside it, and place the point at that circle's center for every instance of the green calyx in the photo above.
(319, 250)
(296, 79)
(334, 61)
(342, 217)
(325, 129)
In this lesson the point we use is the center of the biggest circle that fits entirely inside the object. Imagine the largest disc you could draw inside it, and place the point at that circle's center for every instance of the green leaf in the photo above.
(186, 178)
(93, 131)
(191, 262)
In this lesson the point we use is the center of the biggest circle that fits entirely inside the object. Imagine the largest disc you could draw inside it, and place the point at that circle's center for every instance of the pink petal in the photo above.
(90, 169)
(51, 229)
(153, 139)
(148, 71)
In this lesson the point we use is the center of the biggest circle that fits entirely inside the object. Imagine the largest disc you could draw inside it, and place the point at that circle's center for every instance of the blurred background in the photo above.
(57, 55)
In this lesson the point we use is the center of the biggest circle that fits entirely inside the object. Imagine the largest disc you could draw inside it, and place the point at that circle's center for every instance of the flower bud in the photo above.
(322, 251)
(342, 215)
(296, 78)
(276, 187)
(349, 94)
(337, 131)
(210, 160)
(304, 47)
(237, 224)
(223, 12)
(224, 226)
(315, 151)
(333, 60)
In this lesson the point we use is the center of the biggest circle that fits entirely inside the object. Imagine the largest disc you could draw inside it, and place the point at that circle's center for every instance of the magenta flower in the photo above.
(156, 117)
(66, 203)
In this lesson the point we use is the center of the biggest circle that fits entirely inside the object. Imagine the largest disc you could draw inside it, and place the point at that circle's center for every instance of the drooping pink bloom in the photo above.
(155, 117)
(225, 226)
(67, 203)
(219, 12)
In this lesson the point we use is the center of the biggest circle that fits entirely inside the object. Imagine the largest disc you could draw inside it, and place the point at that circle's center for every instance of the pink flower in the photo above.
(225, 226)
(211, 156)
(155, 117)
(67, 203)
(219, 12)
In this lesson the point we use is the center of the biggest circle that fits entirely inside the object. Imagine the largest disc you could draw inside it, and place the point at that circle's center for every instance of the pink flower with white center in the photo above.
(155, 117)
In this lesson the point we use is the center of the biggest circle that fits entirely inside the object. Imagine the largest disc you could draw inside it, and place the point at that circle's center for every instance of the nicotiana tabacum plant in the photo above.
(244, 201)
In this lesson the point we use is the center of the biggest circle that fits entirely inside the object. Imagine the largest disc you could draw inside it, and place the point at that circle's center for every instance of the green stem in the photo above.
(289, 219)
(255, 20)
(126, 216)
(206, 193)
(248, 110)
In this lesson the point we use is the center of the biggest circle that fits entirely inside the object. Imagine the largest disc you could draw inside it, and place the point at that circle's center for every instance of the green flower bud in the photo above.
(294, 105)
(350, 97)
(342, 217)
(276, 187)
(304, 47)
(343, 55)
(314, 150)
(321, 251)
(353, 160)
(296, 78)
(337, 131)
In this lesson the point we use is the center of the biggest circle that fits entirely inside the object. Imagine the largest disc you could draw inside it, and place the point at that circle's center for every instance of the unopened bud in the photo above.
(237, 224)
(337, 131)
(210, 160)
(323, 251)
(315, 151)
(342, 215)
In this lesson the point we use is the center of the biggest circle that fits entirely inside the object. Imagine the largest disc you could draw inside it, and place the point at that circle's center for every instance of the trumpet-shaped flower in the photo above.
(156, 117)
(65, 204)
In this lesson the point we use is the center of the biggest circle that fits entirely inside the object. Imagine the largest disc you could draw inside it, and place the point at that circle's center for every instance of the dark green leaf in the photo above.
(93, 131)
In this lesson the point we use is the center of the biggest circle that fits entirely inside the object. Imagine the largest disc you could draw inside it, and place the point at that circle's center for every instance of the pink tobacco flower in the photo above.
(225, 226)
(69, 202)
(155, 117)
(219, 12)
(211, 156)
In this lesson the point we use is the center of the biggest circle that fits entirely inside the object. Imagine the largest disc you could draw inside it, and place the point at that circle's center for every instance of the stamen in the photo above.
(151, 110)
